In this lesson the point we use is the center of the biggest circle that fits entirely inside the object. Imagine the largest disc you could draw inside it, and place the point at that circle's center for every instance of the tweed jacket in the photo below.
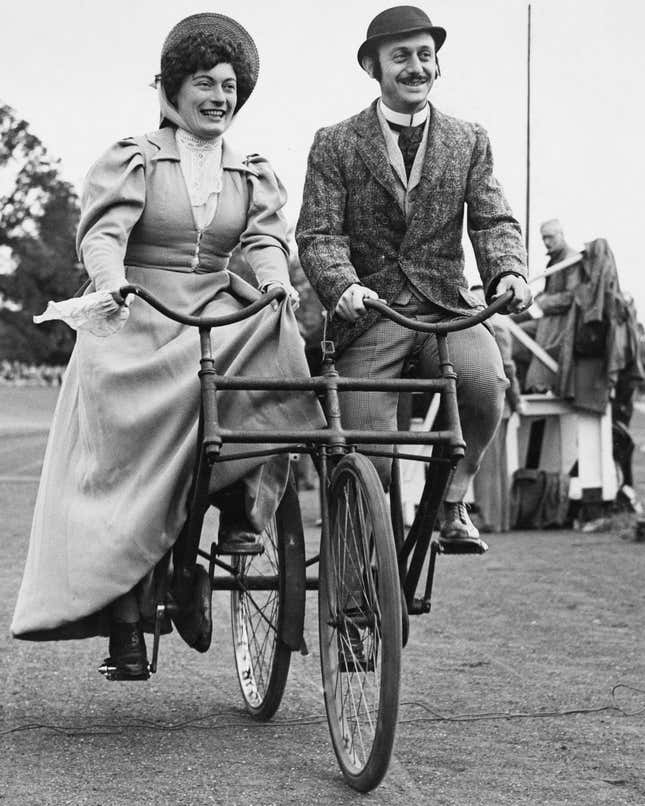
(352, 228)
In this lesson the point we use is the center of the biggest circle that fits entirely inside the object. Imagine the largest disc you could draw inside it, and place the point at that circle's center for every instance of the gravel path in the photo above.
(506, 698)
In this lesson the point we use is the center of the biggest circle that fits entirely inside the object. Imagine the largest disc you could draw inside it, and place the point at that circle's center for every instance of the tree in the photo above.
(38, 219)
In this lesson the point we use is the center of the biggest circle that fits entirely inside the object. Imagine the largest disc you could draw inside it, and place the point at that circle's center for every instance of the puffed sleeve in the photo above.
(264, 241)
(112, 201)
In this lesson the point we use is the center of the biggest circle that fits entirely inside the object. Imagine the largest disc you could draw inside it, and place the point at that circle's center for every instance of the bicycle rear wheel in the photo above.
(267, 609)
(359, 611)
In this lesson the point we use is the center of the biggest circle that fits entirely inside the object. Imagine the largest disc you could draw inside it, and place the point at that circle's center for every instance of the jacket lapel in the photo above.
(371, 146)
(435, 162)
(437, 150)
(164, 140)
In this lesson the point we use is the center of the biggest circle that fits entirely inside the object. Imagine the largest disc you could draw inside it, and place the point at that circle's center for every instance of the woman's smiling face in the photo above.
(206, 100)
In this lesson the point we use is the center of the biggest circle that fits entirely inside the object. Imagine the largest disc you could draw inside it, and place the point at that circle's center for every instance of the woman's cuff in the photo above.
(273, 273)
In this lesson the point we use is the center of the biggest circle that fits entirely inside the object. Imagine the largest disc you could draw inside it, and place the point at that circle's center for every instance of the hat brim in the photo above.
(438, 34)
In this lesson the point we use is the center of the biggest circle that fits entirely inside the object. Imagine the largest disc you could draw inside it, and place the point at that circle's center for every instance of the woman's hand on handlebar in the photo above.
(350, 306)
(292, 295)
(522, 296)
(118, 298)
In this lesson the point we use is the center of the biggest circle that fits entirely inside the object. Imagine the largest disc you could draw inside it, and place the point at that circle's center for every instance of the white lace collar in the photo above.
(195, 143)
(201, 164)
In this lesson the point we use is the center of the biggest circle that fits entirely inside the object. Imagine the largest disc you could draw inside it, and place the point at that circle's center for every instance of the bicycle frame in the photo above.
(364, 564)
(327, 445)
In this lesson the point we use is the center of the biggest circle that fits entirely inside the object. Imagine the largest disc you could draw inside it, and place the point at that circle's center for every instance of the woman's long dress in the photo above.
(119, 462)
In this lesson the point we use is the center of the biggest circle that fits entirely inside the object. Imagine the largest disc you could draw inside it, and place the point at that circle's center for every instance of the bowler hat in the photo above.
(223, 26)
(395, 22)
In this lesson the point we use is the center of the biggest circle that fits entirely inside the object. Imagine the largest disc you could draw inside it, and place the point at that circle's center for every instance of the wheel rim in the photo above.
(256, 619)
(354, 636)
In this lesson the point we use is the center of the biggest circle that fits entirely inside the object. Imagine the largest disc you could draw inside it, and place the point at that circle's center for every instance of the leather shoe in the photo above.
(458, 534)
(236, 536)
(128, 658)
(457, 524)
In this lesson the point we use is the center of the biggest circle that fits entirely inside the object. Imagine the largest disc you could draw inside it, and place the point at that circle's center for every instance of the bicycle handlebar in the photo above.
(452, 325)
(204, 321)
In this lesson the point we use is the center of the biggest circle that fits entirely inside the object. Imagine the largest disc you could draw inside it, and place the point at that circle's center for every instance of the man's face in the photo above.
(408, 70)
(553, 239)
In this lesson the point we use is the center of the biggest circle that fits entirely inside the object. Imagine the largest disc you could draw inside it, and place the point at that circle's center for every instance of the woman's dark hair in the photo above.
(202, 51)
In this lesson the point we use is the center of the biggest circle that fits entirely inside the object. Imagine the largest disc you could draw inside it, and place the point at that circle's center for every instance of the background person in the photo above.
(552, 307)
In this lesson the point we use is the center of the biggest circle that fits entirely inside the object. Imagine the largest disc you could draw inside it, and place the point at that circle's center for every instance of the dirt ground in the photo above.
(525, 685)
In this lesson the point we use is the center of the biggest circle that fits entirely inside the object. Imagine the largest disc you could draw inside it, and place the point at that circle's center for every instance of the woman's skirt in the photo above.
(122, 446)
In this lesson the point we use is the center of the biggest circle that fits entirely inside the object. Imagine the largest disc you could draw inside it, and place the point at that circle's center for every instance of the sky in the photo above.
(79, 72)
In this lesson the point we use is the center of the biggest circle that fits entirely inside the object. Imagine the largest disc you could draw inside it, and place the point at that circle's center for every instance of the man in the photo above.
(550, 309)
(382, 217)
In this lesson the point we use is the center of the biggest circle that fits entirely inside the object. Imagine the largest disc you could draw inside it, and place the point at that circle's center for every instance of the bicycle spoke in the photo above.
(262, 659)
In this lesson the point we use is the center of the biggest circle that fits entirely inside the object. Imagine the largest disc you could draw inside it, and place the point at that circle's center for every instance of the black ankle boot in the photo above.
(128, 658)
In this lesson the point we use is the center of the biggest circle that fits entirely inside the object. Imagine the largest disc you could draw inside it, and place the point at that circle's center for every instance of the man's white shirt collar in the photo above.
(403, 119)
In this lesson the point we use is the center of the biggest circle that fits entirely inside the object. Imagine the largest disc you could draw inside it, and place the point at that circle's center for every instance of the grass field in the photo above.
(26, 408)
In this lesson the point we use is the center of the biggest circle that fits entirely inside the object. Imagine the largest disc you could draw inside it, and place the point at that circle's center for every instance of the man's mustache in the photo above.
(415, 77)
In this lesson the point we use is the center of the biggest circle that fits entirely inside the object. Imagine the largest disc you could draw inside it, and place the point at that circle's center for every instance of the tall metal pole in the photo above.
(527, 223)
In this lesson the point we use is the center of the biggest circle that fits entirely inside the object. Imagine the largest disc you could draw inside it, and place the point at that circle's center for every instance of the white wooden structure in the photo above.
(570, 435)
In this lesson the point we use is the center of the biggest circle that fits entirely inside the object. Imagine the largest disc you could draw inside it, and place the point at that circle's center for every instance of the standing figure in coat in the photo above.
(382, 216)
(552, 307)
(164, 210)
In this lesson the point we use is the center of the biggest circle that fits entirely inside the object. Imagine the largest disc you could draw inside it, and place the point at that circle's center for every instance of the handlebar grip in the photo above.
(277, 293)
(450, 326)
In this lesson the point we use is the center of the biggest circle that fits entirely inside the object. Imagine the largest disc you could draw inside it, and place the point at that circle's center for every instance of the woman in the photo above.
(164, 211)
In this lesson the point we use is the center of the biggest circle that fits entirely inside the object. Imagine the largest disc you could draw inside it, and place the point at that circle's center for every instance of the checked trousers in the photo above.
(385, 350)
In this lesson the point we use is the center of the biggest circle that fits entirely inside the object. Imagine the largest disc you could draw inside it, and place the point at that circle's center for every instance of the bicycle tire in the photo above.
(259, 617)
(360, 630)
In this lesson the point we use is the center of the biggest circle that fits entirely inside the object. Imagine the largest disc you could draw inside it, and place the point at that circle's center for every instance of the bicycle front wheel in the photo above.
(359, 612)
(267, 609)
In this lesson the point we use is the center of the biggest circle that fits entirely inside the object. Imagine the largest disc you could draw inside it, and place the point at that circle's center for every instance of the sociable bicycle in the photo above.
(369, 566)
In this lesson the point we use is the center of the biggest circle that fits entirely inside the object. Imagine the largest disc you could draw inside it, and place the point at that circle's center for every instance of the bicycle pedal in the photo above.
(471, 545)
(237, 551)
(419, 606)
(114, 673)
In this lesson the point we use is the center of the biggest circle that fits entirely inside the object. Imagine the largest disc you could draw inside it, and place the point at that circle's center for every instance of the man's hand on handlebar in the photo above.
(350, 306)
(522, 296)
